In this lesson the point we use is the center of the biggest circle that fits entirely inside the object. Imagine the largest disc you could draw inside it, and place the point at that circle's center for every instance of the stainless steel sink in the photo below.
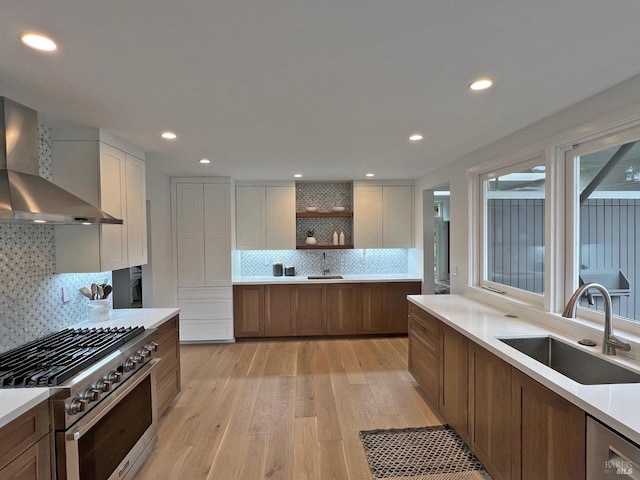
(325, 277)
(571, 361)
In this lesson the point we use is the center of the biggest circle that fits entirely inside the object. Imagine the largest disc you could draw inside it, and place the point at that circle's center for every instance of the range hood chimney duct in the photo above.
(24, 195)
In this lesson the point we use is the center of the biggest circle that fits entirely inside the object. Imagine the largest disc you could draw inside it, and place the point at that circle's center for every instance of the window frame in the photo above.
(481, 280)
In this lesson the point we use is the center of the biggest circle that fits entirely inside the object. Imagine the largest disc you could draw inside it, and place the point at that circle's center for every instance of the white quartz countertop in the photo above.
(16, 401)
(364, 278)
(614, 405)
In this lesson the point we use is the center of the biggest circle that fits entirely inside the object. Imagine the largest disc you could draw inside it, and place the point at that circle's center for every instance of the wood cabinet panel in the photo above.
(454, 379)
(424, 365)
(168, 372)
(397, 305)
(372, 300)
(167, 388)
(279, 304)
(33, 464)
(548, 434)
(342, 309)
(310, 316)
(489, 435)
(23, 432)
(248, 310)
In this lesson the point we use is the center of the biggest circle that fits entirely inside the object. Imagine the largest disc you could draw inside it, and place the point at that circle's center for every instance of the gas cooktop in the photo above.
(51, 360)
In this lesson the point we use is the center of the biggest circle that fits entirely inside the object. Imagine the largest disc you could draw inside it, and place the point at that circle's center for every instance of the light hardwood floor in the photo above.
(284, 410)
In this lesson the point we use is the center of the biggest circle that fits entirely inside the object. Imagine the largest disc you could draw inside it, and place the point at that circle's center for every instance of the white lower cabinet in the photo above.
(202, 248)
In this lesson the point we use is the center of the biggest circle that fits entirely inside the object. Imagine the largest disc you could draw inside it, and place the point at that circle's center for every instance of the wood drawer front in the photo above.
(23, 432)
(427, 320)
(167, 388)
(168, 352)
(428, 337)
(33, 464)
(424, 366)
(167, 329)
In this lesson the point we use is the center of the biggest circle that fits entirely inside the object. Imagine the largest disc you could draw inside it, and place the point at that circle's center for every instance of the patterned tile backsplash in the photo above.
(340, 262)
(30, 292)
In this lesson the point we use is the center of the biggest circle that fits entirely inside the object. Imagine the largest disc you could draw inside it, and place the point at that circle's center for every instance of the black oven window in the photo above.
(103, 447)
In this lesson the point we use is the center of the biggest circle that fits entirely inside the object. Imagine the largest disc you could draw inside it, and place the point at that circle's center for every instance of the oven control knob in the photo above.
(113, 376)
(104, 385)
(77, 405)
(137, 358)
(91, 395)
(145, 352)
(130, 364)
(151, 346)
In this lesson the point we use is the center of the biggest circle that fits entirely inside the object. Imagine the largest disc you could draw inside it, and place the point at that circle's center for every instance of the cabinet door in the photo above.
(489, 435)
(136, 211)
(548, 434)
(250, 218)
(342, 309)
(33, 464)
(397, 217)
(280, 218)
(367, 217)
(310, 310)
(248, 310)
(279, 303)
(372, 302)
(113, 238)
(454, 379)
(217, 235)
(190, 234)
(397, 305)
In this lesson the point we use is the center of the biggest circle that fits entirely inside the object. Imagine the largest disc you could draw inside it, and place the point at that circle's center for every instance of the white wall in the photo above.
(157, 275)
(604, 109)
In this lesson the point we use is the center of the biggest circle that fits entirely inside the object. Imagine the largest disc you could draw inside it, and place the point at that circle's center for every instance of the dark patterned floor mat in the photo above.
(426, 453)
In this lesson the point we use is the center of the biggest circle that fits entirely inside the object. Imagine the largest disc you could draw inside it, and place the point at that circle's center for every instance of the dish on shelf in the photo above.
(311, 209)
(337, 209)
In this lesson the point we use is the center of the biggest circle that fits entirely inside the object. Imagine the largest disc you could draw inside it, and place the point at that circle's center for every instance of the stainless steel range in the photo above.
(103, 404)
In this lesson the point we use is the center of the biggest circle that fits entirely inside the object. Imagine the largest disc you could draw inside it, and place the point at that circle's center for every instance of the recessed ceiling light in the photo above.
(38, 42)
(481, 84)
(86, 223)
(205, 160)
(370, 175)
(416, 137)
(297, 175)
(169, 135)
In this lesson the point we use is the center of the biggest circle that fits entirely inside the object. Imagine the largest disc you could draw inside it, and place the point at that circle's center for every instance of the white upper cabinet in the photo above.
(383, 215)
(266, 217)
(86, 163)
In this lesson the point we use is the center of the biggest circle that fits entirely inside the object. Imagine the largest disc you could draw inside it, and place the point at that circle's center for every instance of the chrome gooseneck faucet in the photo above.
(610, 342)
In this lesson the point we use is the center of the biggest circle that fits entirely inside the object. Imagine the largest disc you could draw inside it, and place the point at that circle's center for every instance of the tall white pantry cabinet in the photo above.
(201, 223)
(108, 173)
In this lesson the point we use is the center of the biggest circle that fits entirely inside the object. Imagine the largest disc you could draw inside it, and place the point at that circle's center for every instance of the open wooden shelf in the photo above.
(323, 247)
(324, 214)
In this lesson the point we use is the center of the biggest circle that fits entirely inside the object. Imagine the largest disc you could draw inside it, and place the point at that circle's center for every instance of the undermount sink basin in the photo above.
(325, 277)
(571, 361)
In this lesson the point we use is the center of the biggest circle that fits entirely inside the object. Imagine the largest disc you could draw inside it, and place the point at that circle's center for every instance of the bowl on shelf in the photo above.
(337, 209)
(311, 209)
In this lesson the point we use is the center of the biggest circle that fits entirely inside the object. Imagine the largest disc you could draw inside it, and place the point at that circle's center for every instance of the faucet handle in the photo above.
(614, 342)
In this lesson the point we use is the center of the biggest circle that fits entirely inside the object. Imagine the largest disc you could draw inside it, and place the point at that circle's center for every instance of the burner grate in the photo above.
(51, 360)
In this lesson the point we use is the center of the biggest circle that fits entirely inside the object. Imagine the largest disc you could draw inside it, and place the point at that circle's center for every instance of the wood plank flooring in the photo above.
(284, 410)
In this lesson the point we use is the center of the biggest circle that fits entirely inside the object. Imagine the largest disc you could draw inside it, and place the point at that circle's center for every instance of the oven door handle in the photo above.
(87, 423)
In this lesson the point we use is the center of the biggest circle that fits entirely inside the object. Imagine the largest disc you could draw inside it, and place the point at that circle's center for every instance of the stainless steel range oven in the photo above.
(103, 406)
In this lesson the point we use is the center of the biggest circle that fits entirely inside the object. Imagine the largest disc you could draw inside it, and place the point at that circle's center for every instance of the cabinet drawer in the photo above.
(427, 320)
(205, 330)
(33, 464)
(167, 329)
(431, 340)
(20, 434)
(206, 309)
(167, 388)
(209, 292)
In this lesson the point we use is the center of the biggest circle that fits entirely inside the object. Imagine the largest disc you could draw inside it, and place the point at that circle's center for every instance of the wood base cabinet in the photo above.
(248, 311)
(518, 428)
(25, 446)
(342, 309)
(397, 305)
(168, 372)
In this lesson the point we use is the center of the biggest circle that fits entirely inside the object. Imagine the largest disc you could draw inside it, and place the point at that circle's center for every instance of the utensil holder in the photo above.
(99, 310)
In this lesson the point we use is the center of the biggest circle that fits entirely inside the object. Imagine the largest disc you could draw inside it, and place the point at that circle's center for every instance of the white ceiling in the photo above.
(331, 89)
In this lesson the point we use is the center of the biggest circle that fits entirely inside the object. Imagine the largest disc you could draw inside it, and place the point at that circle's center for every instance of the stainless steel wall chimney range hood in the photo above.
(24, 195)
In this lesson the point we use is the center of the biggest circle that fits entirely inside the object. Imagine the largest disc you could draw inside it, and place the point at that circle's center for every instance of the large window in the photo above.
(603, 239)
(513, 234)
